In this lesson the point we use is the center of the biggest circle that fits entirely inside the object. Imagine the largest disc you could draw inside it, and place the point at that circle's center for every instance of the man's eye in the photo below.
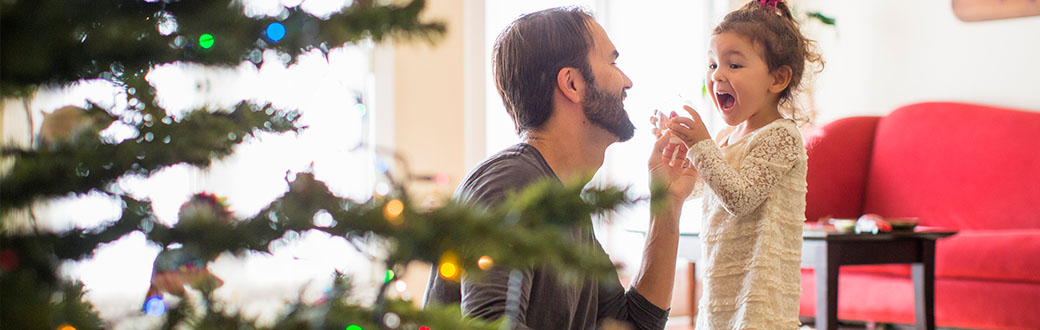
(735, 66)
(713, 66)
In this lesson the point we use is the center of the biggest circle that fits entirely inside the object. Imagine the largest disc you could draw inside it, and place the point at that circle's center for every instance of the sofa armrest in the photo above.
(839, 157)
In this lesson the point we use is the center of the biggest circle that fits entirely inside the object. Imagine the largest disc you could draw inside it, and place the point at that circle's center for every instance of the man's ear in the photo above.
(781, 78)
(571, 83)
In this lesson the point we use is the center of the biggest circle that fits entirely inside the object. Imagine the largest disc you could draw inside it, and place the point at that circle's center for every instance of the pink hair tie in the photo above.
(771, 4)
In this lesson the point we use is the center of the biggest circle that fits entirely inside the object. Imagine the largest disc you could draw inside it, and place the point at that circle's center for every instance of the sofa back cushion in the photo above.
(839, 154)
(957, 165)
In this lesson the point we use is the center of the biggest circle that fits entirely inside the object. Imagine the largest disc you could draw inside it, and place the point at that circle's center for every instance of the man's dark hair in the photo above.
(530, 53)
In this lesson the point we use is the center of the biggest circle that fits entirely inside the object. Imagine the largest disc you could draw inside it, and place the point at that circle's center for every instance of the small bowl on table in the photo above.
(903, 223)
(842, 225)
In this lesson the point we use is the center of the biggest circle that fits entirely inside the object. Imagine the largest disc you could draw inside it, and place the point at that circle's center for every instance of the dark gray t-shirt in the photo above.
(545, 302)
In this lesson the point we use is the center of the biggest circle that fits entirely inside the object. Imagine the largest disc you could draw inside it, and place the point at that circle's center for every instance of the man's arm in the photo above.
(657, 272)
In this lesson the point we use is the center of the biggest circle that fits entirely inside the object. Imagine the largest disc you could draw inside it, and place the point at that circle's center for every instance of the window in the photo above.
(337, 146)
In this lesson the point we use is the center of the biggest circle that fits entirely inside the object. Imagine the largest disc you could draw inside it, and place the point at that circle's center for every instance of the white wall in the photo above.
(888, 53)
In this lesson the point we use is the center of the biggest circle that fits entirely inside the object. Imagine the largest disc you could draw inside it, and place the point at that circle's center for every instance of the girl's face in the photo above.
(739, 80)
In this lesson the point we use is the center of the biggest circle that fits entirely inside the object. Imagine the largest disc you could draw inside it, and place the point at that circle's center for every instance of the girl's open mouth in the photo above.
(726, 101)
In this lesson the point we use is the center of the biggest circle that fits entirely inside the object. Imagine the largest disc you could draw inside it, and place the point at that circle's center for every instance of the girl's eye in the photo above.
(713, 66)
(735, 66)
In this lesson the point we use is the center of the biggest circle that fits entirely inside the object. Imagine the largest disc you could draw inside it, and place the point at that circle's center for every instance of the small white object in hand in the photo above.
(662, 126)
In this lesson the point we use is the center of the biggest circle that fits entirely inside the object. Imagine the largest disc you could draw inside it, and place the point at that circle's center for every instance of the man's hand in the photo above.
(678, 176)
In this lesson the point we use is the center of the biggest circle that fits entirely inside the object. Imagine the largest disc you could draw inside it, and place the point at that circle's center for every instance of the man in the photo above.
(556, 72)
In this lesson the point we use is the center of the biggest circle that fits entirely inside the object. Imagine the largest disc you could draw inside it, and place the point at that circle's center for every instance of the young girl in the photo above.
(754, 170)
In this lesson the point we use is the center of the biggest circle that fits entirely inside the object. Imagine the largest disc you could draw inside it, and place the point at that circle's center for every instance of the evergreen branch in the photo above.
(57, 43)
(85, 163)
(516, 234)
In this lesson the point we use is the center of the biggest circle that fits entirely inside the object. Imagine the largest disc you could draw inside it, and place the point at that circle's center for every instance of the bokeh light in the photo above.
(442, 179)
(275, 31)
(206, 41)
(154, 306)
(66, 327)
(393, 211)
(354, 327)
(449, 270)
(391, 320)
(389, 275)
(485, 263)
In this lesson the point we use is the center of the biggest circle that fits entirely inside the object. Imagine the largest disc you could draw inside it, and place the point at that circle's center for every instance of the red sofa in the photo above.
(968, 167)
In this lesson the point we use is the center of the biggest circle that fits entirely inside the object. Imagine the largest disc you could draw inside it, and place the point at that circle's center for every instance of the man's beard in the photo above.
(607, 111)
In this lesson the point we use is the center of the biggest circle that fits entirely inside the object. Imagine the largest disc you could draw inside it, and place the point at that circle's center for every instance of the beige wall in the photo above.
(889, 53)
(430, 113)
(429, 101)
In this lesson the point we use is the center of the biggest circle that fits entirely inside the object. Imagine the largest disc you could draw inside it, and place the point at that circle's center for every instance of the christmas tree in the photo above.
(47, 44)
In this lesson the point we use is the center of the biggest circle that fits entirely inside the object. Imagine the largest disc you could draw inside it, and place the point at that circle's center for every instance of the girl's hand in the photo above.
(689, 130)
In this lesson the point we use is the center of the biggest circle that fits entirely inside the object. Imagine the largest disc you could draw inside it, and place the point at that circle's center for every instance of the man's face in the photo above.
(605, 109)
(605, 94)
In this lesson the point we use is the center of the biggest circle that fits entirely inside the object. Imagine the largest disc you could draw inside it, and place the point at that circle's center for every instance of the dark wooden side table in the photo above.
(826, 251)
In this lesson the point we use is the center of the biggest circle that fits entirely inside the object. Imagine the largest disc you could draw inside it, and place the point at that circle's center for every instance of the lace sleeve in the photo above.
(773, 152)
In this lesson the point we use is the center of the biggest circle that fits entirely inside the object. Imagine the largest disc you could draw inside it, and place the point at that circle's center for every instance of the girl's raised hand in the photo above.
(689, 130)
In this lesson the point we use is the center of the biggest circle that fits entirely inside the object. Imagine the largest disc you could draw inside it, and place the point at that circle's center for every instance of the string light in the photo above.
(382, 188)
(275, 31)
(442, 179)
(449, 270)
(154, 306)
(400, 286)
(391, 320)
(393, 211)
(66, 327)
(485, 263)
(206, 41)
(389, 275)
(424, 328)
(354, 327)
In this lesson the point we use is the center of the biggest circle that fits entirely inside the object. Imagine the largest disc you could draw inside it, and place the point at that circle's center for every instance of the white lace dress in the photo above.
(754, 208)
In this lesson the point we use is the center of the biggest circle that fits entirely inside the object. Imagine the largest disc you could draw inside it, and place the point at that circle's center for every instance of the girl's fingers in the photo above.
(681, 123)
(693, 113)
(680, 129)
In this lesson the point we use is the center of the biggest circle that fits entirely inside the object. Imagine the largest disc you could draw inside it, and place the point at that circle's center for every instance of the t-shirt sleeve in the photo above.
(629, 307)
(489, 296)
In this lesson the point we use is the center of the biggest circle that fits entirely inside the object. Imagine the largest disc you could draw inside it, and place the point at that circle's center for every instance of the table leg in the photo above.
(826, 271)
(693, 293)
(923, 274)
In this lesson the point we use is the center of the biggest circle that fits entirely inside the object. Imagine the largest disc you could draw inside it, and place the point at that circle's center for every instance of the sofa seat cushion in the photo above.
(979, 254)
(959, 303)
